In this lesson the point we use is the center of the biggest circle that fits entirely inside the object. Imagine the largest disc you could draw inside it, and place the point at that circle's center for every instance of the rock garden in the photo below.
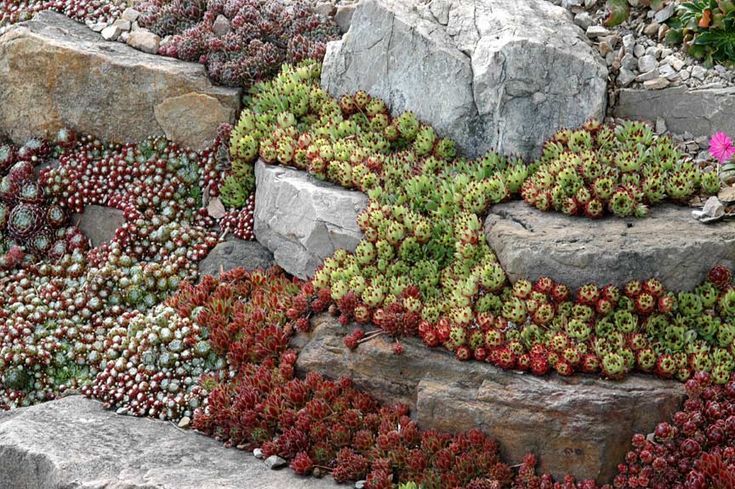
(411, 244)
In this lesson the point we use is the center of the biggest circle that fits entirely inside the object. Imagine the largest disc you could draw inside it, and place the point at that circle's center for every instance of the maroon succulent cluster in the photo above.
(12, 11)
(30, 223)
(696, 450)
(319, 425)
(249, 41)
(240, 222)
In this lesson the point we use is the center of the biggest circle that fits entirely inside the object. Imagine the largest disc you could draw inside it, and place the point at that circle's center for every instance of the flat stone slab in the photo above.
(74, 443)
(580, 425)
(99, 223)
(234, 253)
(699, 111)
(490, 74)
(668, 244)
(303, 220)
(56, 73)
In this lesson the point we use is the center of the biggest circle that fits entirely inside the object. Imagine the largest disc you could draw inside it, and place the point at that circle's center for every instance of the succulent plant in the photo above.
(706, 28)
(261, 35)
(623, 170)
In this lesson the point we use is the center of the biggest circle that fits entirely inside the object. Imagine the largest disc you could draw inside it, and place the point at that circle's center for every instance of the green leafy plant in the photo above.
(619, 10)
(706, 28)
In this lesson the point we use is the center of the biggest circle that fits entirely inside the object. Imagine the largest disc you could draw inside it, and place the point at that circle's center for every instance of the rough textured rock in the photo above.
(580, 425)
(668, 244)
(235, 253)
(58, 73)
(74, 443)
(491, 74)
(99, 223)
(303, 220)
(174, 115)
(700, 112)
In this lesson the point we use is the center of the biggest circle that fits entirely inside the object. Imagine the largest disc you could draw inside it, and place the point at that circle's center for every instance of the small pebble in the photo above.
(185, 422)
(651, 29)
(665, 13)
(583, 20)
(656, 84)
(258, 453)
(360, 484)
(625, 77)
(221, 25)
(629, 42)
(98, 26)
(647, 63)
(660, 126)
(124, 25)
(130, 14)
(649, 75)
(639, 50)
(604, 48)
(274, 462)
(667, 71)
(699, 72)
(629, 62)
(597, 31)
(111, 33)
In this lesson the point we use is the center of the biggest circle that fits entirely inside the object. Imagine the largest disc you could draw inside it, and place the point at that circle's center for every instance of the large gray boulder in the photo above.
(491, 74)
(303, 220)
(74, 443)
(668, 244)
(580, 425)
(699, 111)
(55, 72)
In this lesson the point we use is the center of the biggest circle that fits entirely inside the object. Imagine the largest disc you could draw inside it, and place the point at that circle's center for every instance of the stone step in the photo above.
(55, 72)
(698, 111)
(303, 220)
(73, 442)
(580, 425)
(668, 244)
(490, 74)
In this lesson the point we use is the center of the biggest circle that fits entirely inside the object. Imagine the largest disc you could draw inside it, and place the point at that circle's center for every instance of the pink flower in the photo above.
(721, 147)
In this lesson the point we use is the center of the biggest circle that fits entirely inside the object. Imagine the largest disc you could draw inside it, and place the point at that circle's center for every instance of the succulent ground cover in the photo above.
(239, 41)
(12, 11)
(128, 324)
(623, 171)
(63, 304)
(424, 267)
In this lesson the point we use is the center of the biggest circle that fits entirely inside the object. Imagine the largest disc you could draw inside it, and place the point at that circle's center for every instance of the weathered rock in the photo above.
(491, 74)
(235, 253)
(56, 73)
(343, 16)
(174, 115)
(99, 223)
(668, 244)
(580, 425)
(74, 443)
(303, 220)
(699, 111)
